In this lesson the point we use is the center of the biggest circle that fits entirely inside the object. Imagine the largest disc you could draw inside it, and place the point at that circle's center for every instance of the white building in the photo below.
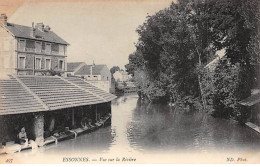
(121, 76)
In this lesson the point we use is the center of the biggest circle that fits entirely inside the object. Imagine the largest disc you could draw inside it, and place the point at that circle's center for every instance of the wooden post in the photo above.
(73, 117)
(96, 112)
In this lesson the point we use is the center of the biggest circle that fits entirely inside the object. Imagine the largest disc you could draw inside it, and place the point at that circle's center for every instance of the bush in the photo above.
(230, 86)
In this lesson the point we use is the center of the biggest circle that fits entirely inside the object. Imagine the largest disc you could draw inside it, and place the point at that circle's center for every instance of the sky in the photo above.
(99, 31)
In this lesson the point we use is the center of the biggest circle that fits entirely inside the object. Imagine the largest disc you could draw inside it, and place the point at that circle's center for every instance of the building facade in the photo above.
(32, 50)
(98, 75)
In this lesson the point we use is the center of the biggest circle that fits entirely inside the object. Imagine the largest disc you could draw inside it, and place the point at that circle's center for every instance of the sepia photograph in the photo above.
(129, 82)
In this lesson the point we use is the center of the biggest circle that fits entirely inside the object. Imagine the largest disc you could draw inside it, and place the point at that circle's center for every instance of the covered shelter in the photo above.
(45, 105)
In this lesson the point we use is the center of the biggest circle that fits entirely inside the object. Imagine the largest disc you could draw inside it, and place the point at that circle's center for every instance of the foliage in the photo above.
(176, 43)
(114, 69)
(136, 62)
(225, 81)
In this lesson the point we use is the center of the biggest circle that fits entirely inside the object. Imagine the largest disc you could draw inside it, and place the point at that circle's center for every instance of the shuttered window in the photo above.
(48, 64)
(21, 63)
(38, 63)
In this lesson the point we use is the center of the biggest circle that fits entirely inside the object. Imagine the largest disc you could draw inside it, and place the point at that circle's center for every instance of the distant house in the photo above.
(121, 76)
(95, 72)
(99, 75)
(73, 67)
(30, 50)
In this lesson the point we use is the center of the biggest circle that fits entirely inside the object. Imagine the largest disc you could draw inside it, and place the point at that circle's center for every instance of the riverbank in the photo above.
(142, 131)
(146, 130)
(11, 147)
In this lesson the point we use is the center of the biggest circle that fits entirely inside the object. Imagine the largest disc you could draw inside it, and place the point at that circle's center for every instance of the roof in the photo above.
(23, 94)
(250, 101)
(85, 70)
(85, 85)
(25, 32)
(16, 99)
(72, 66)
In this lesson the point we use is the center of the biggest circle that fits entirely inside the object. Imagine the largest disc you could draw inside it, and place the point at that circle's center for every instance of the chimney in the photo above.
(40, 26)
(3, 19)
(47, 28)
(33, 30)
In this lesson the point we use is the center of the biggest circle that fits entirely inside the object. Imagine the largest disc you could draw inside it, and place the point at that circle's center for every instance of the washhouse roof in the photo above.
(24, 94)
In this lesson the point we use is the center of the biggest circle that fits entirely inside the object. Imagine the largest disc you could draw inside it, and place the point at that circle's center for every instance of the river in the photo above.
(149, 128)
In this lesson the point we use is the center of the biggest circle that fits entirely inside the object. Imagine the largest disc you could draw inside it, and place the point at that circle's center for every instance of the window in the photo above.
(38, 47)
(54, 48)
(48, 48)
(61, 65)
(48, 64)
(37, 63)
(21, 63)
(61, 49)
(21, 45)
(30, 45)
(95, 77)
(43, 47)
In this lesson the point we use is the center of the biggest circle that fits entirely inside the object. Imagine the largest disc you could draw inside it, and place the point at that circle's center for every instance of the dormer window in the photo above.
(38, 37)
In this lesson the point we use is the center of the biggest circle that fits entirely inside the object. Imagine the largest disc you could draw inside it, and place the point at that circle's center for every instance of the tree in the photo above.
(176, 43)
(169, 52)
(235, 27)
(114, 69)
(136, 61)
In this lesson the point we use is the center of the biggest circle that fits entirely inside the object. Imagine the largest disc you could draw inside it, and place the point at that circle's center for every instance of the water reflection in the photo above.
(140, 128)
(155, 127)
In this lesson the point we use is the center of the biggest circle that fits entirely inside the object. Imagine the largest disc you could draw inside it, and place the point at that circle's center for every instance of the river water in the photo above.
(149, 128)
